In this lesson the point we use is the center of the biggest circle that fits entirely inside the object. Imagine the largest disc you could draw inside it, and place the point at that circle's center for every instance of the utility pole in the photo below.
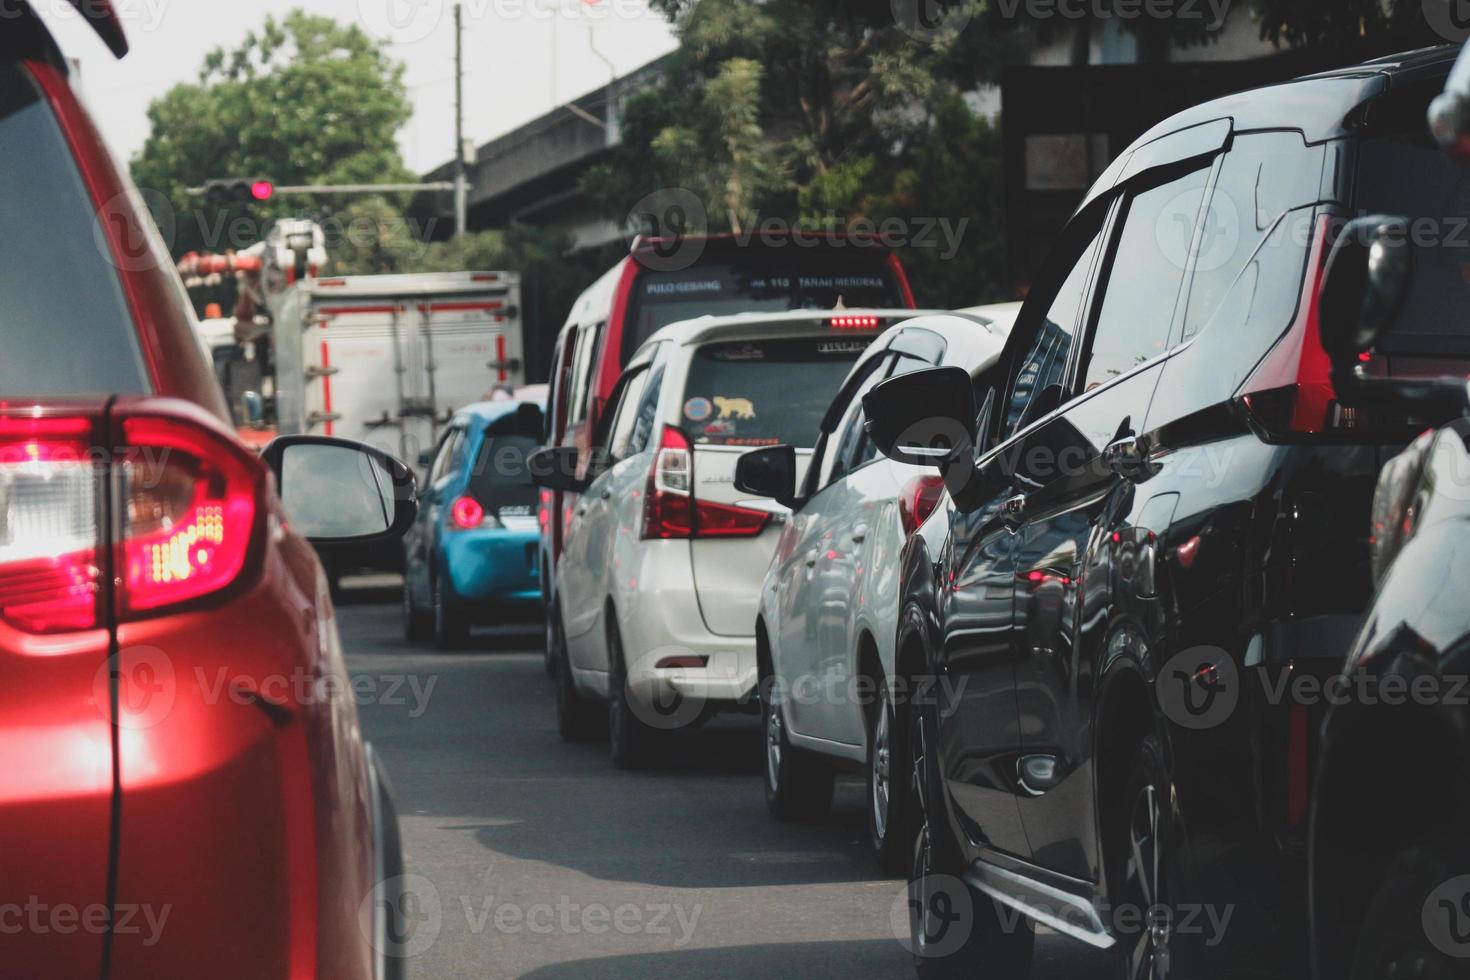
(461, 190)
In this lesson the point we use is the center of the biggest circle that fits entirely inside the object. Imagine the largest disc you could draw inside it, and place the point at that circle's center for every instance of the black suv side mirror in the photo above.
(1364, 285)
(768, 472)
(924, 417)
(555, 468)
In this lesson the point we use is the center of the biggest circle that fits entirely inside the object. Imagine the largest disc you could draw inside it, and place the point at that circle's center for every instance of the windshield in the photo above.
(786, 280)
(760, 393)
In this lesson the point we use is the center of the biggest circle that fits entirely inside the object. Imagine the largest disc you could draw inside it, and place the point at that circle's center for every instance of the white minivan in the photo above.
(827, 619)
(655, 595)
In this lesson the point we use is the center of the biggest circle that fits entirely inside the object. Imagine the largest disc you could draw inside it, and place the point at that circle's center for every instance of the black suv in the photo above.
(1156, 533)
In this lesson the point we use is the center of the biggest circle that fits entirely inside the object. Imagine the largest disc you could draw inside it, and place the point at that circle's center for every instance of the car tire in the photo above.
(889, 784)
(577, 719)
(954, 931)
(1395, 937)
(798, 784)
(1144, 863)
(418, 625)
(632, 743)
(451, 625)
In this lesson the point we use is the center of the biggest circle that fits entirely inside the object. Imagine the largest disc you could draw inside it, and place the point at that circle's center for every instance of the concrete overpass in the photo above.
(530, 174)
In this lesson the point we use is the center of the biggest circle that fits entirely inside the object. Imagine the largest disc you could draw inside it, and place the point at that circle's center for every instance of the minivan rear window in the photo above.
(795, 277)
(66, 326)
(764, 392)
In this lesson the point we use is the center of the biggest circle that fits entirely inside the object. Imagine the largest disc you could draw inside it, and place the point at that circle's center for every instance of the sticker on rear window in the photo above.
(735, 408)
(718, 429)
(698, 409)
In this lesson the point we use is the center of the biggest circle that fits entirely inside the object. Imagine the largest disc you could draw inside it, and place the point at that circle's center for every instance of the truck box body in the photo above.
(388, 359)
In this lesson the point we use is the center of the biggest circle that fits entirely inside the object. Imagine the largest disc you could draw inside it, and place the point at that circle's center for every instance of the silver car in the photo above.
(655, 595)
(828, 610)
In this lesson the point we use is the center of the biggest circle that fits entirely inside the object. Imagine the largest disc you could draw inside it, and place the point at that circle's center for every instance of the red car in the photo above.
(184, 787)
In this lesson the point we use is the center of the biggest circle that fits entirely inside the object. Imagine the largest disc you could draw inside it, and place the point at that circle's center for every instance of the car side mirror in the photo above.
(1364, 285)
(336, 491)
(768, 472)
(1449, 113)
(555, 468)
(926, 418)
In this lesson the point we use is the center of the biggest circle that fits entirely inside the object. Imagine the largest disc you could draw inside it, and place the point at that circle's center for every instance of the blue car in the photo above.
(471, 556)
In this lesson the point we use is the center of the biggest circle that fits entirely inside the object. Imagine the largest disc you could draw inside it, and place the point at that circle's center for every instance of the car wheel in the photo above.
(1145, 865)
(1416, 925)
(798, 784)
(632, 742)
(954, 931)
(577, 719)
(889, 784)
(417, 624)
(451, 626)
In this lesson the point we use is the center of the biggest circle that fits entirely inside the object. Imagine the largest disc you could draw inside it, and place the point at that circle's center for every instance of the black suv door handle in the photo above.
(1013, 511)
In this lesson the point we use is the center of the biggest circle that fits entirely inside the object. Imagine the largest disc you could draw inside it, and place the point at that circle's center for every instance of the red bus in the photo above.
(665, 280)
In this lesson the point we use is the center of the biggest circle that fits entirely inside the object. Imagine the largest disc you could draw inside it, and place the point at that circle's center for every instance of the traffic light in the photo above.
(239, 190)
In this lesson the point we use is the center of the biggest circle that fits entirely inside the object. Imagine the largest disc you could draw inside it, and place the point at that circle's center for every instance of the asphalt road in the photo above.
(530, 857)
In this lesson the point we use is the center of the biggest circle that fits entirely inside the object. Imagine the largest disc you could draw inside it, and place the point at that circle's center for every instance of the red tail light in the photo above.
(50, 498)
(189, 513)
(669, 508)
(466, 513)
(186, 517)
(918, 499)
(1291, 390)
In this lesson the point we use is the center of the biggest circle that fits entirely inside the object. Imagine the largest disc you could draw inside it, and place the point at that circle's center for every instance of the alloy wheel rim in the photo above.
(880, 775)
(1144, 881)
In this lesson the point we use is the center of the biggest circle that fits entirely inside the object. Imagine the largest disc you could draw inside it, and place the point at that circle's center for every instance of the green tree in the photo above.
(303, 100)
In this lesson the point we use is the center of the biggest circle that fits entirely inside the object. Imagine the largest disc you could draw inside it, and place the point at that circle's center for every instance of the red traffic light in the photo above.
(262, 190)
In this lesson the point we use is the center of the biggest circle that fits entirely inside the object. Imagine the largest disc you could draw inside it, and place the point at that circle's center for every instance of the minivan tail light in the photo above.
(669, 507)
(50, 494)
(917, 501)
(189, 513)
(1291, 391)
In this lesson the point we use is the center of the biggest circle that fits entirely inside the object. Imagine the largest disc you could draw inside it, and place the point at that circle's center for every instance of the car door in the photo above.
(811, 586)
(1086, 464)
(979, 730)
(595, 525)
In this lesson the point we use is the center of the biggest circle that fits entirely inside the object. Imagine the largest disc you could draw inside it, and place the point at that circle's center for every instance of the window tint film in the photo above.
(792, 277)
(501, 479)
(66, 326)
(1046, 360)
(1262, 177)
(1142, 284)
(764, 392)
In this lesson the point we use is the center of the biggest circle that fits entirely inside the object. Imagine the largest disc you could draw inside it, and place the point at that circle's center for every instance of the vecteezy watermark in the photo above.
(672, 221)
(1446, 917)
(404, 916)
(934, 21)
(136, 16)
(934, 916)
(1450, 19)
(1212, 14)
(149, 687)
(39, 918)
(1198, 688)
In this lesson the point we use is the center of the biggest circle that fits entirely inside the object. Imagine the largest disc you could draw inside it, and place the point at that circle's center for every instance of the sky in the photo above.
(508, 46)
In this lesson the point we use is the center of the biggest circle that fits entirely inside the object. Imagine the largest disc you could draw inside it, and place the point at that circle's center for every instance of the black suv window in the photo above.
(1142, 283)
(1046, 360)
(66, 326)
(1262, 177)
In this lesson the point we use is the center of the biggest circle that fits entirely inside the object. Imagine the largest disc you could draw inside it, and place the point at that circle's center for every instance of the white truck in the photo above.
(389, 359)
